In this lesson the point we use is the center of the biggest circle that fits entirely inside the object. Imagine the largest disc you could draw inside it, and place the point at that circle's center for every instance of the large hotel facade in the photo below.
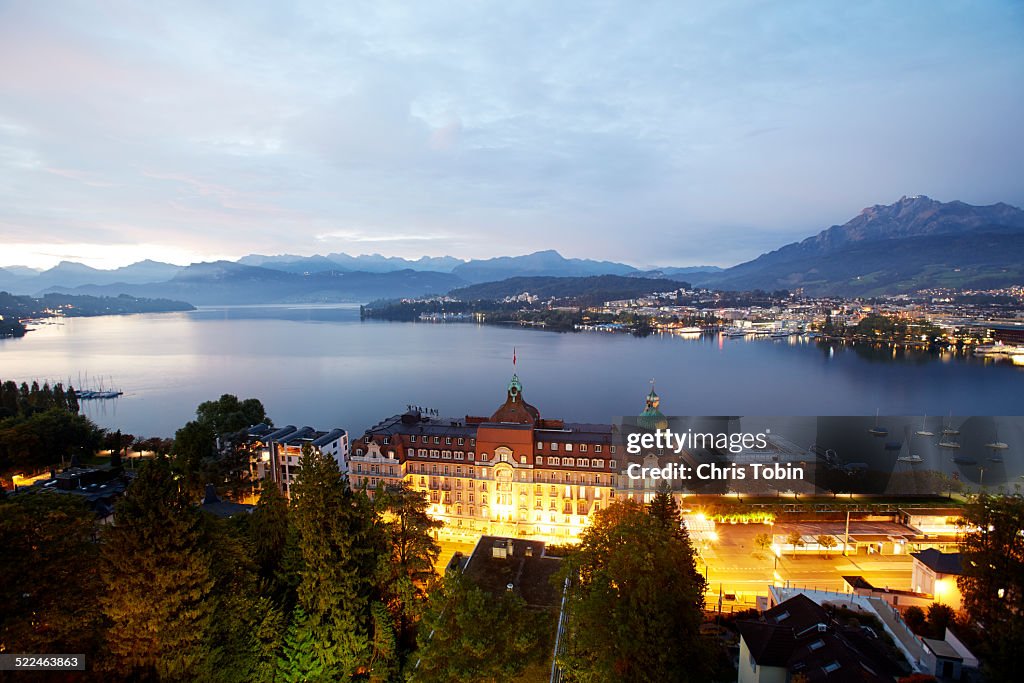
(513, 473)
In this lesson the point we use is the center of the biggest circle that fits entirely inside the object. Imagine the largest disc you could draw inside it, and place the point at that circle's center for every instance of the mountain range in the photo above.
(914, 243)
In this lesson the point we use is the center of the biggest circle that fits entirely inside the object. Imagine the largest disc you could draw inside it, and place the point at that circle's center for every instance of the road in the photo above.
(734, 565)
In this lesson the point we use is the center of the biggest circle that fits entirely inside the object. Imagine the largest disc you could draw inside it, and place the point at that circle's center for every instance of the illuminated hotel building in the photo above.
(511, 474)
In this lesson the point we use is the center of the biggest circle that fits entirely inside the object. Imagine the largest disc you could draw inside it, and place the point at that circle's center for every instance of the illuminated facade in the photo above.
(274, 453)
(511, 474)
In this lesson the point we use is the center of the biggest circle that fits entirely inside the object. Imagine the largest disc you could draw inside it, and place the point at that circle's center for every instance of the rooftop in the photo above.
(939, 562)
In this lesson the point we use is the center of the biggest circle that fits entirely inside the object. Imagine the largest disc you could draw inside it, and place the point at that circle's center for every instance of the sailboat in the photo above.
(923, 431)
(876, 430)
(949, 429)
(997, 445)
(913, 458)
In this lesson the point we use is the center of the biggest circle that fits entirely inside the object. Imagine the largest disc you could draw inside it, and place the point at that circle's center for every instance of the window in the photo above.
(459, 455)
(458, 470)
(447, 455)
(598, 462)
(538, 460)
(583, 448)
(540, 445)
(434, 454)
(412, 439)
(613, 450)
(611, 464)
(423, 452)
(387, 440)
(553, 461)
(447, 441)
(437, 439)
(522, 459)
(554, 446)
(461, 441)
(583, 462)
(568, 448)
(568, 462)
(597, 448)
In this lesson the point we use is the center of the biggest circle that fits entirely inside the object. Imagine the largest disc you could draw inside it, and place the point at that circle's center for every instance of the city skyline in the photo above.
(191, 134)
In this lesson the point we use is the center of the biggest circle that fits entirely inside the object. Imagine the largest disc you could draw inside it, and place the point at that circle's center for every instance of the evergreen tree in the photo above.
(333, 526)
(992, 582)
(664, 508)
(299, 661)
(634, 614)
(471, 636)
(268, 529)
(194, 453)
(408, 565)
(49, 586)
(159, 582)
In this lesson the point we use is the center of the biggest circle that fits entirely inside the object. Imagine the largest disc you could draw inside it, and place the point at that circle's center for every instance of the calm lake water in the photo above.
(322, 366)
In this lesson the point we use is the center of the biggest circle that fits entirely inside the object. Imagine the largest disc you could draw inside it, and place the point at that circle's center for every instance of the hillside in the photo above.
(916, 242)
(224, 282)
(592, 289)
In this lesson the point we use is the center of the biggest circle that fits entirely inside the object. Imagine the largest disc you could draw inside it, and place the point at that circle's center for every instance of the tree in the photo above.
(794, 539)
(228, 415)
(471, 636)
(826, 541)
(333, 526)
(664, 508)
(940, 616)
(267, 528)
(914, 617)
(407, 567)
(158, 582)
(49, 586)
(992, 582)
(299, 661)
(194, 454)
(634, 615)
(763, 542)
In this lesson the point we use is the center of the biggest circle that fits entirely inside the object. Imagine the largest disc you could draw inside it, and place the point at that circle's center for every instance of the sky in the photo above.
(652, 133)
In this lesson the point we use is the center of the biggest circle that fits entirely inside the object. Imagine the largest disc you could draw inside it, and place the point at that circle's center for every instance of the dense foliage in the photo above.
(40, 427)
(636, 599)
(992, 583)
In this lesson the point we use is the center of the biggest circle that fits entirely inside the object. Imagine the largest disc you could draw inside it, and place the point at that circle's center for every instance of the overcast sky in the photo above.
(651, 133)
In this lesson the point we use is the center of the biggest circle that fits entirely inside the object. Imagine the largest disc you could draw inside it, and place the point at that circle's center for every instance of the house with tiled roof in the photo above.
(799, 640)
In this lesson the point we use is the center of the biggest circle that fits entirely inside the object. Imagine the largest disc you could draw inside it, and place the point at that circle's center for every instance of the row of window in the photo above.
(567, 447)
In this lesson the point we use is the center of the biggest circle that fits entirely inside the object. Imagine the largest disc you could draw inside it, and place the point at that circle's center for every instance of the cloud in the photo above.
(713, 130)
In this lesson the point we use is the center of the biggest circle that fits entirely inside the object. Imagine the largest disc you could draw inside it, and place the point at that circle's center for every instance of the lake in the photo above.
(322, 366)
